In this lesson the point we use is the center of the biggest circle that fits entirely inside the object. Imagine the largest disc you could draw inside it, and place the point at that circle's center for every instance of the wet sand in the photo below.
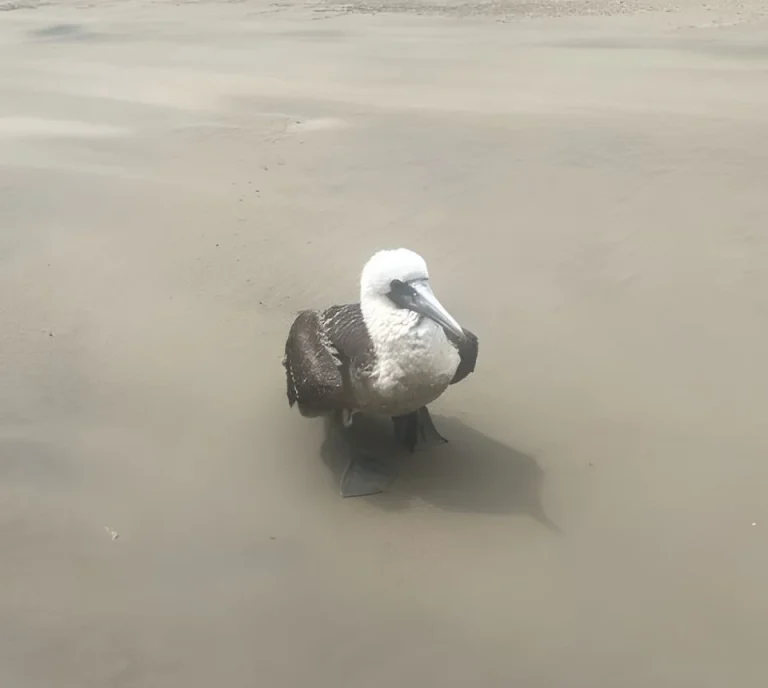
(588, 185)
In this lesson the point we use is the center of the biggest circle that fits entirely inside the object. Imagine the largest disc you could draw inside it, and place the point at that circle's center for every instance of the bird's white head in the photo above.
(385, 266)
(397, 280)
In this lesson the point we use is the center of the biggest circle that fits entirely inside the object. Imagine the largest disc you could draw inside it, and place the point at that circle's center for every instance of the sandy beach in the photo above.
(587, 182)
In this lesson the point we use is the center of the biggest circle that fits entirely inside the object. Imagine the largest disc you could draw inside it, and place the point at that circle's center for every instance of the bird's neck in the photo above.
(391, 327)
(408, 347)
(386, 323)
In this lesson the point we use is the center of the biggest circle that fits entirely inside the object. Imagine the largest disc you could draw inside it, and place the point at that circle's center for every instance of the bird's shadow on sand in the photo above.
(471, 472)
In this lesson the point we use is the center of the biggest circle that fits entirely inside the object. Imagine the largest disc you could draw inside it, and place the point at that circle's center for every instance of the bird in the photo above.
(391, 353)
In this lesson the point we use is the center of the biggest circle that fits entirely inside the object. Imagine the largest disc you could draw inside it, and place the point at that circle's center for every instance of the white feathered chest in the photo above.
(415, 362)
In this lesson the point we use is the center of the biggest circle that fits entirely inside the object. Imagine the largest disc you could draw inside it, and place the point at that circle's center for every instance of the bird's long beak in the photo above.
(425, 303)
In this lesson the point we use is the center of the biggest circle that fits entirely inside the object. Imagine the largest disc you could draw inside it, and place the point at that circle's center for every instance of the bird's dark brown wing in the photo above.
(313, 378)
(345, 328)
(467, 347)
(321, 349)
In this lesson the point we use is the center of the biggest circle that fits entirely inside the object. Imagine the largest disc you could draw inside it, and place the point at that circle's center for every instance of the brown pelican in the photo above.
(391, 354)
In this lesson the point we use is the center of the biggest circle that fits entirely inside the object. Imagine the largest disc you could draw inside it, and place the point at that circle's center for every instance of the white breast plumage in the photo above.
(415, 362)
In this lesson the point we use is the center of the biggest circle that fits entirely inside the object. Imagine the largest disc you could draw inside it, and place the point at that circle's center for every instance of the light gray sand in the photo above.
(177, 179)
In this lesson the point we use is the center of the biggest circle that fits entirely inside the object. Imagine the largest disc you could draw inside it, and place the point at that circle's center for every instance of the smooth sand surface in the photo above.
(589, 184)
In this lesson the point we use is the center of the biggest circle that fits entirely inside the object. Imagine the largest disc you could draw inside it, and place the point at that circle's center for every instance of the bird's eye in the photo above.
(400, 288)
(401, 293)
